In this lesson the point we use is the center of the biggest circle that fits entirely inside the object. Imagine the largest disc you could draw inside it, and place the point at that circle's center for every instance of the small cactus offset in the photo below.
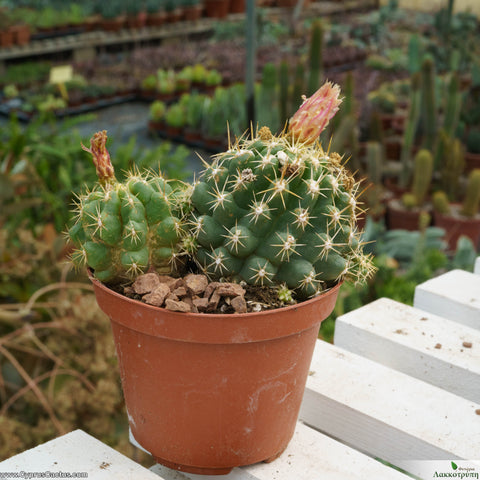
(122, 229)
(276, 210)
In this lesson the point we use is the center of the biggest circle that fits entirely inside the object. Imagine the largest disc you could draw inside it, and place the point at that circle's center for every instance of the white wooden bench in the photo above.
(400, 388)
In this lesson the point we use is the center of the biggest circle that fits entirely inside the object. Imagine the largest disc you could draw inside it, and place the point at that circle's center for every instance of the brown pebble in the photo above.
(172, 296)
(189, 301)
(146, 283)
(200, 303)
(167, 279)
(239, 304)
(157, 297)
(438, 345)
(477, 411)
(177, 306)
(180, 292)
(230, 290)
(211, 287)
(196, 283)
(467, 344)
(213, 301)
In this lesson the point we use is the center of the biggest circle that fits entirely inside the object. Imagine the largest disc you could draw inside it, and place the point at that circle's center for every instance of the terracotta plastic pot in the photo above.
(399, 218)
(209, 392)
(216, 8)
(456, 225)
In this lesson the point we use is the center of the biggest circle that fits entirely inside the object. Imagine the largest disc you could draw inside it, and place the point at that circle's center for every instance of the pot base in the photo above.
(191, 469)
(207, 470)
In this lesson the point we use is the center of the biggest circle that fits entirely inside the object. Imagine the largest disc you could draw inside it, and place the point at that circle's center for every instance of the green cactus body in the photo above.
(429, 103)
(123, 229)
(471, 201)
(315, 57)
(422, 175)
(287, 215)
(440, 202)
(283, 93)
(375, 162)
(410, 130)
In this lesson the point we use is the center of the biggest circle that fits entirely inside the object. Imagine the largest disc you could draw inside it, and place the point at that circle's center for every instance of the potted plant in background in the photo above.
(405, 212)
(216, 8)
(136, 15)
(175, 119)
(157, 116)
(192, 10)
(237, 6)
(459, 218)
(271, 219)
(113, 17)
(155, 12)
(173, 11)
(6, 35)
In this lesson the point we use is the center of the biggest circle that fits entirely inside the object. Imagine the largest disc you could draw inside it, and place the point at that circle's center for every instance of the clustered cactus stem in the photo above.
(272, 210)
(276, 210)
(123, 229)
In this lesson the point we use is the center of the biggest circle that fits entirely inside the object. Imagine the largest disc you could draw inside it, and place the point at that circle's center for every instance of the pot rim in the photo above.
(214, 327)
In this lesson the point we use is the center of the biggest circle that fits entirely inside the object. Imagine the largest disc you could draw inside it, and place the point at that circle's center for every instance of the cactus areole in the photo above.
(276, 211)
(272, 211)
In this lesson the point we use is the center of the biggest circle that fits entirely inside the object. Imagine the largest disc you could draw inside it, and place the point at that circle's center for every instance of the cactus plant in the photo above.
(410, 131)
(452, 164)
(422, 177)
(471, 201)
(315, 57)
(280, 209)
(441, 203)
(429, 104)
(283, 94)
(122, 229)
(267, 99)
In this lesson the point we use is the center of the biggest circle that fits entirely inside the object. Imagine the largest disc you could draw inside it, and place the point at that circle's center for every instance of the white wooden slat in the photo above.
(421, 344)
(77, 452)
(476, 268)
(454, 295)
(309, 456)
(386, 413)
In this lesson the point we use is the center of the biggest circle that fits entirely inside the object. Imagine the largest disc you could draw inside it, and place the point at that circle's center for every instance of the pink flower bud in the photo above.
(314, 114)
(101, 157)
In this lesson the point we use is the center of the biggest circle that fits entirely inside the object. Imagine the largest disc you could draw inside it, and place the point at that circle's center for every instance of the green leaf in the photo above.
(454, 466)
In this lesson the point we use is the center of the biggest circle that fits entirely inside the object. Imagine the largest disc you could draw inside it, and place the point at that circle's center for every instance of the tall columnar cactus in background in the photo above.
(429, 104)
(410, 131)
(267, 99)
(280, 209)
(122, 229)
(452, 108)
(315, 57)
(452, 164)
(283, 93)
(298, 87)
